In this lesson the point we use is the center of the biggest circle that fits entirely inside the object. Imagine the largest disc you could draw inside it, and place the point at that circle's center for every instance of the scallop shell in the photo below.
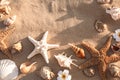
(27, 67)
(115, 47)
(46, 73)
(9, 21)
(65, 61)
(78, 51)
(17, 47)
(90, 72)
(8, 69)
(100, 26)
(104, 1)
(114, 69)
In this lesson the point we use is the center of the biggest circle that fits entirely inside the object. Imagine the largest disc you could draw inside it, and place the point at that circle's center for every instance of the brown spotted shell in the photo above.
(17, 47)
(115, 47)
(100, 26)
(104, 1)
(90, 72)
(46, 73)
(78, 51)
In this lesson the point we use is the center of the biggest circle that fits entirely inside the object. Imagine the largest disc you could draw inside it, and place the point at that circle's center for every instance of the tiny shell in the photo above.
(8, 70)
(115, 47)
(65, 61)
(78, 51)
(104, 1)
(100, 26)
(27, 67)
(17, 47)
(114, 69)
(90, 72)
(9, 21)
(46, 73)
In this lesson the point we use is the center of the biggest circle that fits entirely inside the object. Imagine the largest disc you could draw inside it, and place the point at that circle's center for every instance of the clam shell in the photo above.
(8, 69)
(9, 21)
(100, 26)
(104, 1)
(90, 72)
(115, 47)
(46, 73)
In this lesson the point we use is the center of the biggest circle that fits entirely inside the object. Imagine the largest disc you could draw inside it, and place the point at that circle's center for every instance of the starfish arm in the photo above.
(88, 63)
(50, 46)
(112, 58)
(33, 53)
(102, 70)
(106, 45)
(45, 55)
(44, 38)
(92, 50)
(33, 40)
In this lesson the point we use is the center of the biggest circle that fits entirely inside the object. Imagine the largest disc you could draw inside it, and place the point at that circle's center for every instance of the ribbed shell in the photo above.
(8, 70)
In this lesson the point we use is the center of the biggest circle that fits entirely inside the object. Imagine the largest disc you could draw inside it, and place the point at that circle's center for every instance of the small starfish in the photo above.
(41, 47)
(100, 58)
(3, 35)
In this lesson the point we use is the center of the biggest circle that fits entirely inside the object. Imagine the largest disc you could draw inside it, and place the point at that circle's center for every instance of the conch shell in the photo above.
(27, 67)
(9, 21)
(46, 73)
(100, 26)
(78, 51)
(115, 47)
(115, 69)
(17, 47)
(65, 61)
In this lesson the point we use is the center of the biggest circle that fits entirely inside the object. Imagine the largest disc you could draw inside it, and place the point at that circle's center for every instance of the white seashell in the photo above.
(8, 70)
(17, 47)
(46, 73)
(4, 2)
(9, 21)
(27, 67)
(65, 61)
(115, 69)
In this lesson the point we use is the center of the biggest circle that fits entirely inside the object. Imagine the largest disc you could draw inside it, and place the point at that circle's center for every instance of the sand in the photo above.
(68, 21)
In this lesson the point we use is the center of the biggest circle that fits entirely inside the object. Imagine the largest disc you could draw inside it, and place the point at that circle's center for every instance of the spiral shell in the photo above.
(8, 70)
(78, 51)
(9, 21)
(100, 26)
(46, 73)
(27, 67)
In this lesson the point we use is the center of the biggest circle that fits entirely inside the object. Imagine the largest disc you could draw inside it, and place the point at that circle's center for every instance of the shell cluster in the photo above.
(65, 61)
(78, 51)
(46, 73)
(100, 26)
(114, 69)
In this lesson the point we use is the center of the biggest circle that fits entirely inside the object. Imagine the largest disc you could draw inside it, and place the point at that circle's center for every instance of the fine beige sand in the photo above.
(68, 21)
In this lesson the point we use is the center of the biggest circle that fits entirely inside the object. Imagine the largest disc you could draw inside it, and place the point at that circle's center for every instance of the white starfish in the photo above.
(41, 47)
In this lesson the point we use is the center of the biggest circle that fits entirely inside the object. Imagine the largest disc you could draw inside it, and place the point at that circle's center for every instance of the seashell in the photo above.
(115, 47)
(27, 67)
(114, 69)
(4, 2)
(9, 21)
(65, 61)
(46, 73)
(100, 26)
(8, 70)
(78, 51)
(104, 1)
(90, 72)
(17, 47)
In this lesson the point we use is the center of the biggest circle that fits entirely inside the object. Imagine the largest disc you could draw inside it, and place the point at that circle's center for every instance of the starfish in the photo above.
(100, 58)
(3, 35)
(41, 47)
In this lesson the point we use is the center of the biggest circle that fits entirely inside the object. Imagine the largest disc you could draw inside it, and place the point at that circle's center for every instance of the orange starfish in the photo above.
(100, 58)
(3, 35)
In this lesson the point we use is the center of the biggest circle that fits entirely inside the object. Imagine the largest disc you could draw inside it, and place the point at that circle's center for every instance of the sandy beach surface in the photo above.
(68, 21)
